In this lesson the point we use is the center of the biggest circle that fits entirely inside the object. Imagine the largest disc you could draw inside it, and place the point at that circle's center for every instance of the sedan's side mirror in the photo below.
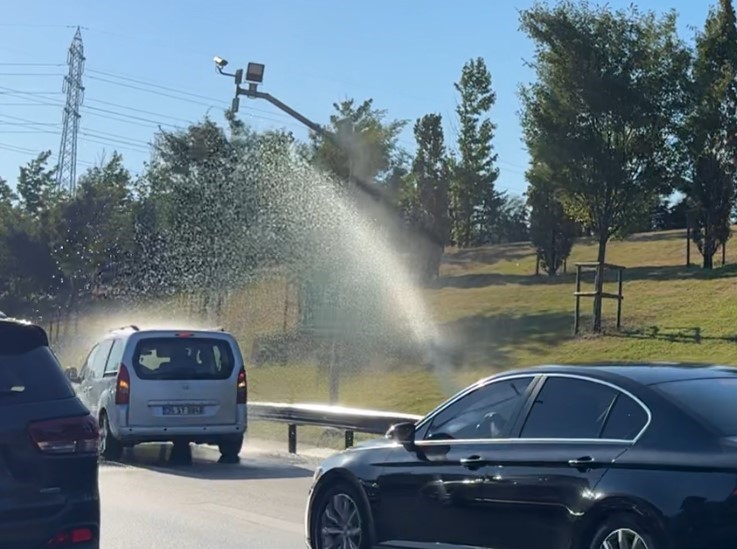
(72, 375)
(403, 433)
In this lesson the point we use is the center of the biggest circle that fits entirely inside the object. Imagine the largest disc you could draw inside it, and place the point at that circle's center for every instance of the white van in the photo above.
(166, 386)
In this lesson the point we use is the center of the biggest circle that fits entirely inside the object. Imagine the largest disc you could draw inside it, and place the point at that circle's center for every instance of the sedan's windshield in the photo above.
(714, 399)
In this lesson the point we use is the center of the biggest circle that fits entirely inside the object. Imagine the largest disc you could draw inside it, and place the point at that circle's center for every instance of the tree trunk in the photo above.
(708, 258)
(599, 284)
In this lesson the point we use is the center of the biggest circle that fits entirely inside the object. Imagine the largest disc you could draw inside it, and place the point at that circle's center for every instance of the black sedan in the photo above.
(49, 494)
(595, 457)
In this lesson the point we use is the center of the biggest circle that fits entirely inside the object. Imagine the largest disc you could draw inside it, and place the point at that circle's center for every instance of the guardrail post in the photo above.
(292, 439)
(348, 439)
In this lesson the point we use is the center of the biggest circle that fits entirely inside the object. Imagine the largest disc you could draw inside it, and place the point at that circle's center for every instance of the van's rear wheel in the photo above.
(229, 450)
(110, 447)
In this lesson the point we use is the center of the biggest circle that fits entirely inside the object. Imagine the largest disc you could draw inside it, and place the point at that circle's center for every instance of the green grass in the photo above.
(492, 308)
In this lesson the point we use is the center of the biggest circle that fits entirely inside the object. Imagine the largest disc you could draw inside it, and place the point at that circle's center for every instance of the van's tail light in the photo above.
(72, 537)
(70, 435)
(242, 386)
(123, 386)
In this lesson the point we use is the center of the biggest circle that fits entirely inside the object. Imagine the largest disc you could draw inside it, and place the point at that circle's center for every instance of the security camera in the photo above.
(220, 63)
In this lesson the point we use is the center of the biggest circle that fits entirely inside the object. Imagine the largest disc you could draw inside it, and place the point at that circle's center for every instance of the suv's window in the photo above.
(29, 372)
(97, 364)
(483, 413)
(569, 408)
(713, 399)
(86, 368)
(625, 420)
(183, 358)
(115, 357)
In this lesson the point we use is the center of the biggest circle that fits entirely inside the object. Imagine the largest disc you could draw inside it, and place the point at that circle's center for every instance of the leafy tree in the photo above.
(552, 232)
(431, 176)
(37, 185)
(512, 223)
(603, 112)
(710, 132)
(367, 143)
(475, 200)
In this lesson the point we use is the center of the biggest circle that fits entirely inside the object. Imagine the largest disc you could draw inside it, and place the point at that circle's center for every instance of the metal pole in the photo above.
(292, 438)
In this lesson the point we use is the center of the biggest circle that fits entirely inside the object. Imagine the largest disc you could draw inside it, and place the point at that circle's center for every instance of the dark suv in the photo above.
(48, 448)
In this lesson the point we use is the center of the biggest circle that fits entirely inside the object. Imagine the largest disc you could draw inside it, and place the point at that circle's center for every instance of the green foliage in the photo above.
(37, 185)
(709, 133)
(552, 232)
(475, 200)
(367, 142)
(604, 109)
(431, 176)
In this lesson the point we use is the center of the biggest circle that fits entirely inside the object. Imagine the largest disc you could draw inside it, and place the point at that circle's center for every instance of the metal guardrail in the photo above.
(350, 420)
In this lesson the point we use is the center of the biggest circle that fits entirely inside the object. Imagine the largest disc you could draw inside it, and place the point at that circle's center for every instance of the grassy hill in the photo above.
(490, 305)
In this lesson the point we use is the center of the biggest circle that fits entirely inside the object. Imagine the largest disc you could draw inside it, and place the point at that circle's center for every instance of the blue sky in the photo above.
(403, 54)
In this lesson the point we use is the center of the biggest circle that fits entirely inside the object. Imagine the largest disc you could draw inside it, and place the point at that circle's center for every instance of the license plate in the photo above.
(182, 410)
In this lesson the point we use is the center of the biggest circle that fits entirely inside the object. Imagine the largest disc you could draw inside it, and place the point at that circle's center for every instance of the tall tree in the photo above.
(710, 132)
(603, 112)
(551, 230)
(431, 176)
(475, 199)
(37, 185)
(367, 142)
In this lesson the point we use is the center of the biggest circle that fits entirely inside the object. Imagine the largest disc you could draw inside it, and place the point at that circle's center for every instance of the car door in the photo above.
(93, 382)
(546, 479)
(434, 491)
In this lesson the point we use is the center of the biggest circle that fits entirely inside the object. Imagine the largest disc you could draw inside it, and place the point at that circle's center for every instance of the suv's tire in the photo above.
(341, 509)
(110, 447)
(635, 532)
(229, 450)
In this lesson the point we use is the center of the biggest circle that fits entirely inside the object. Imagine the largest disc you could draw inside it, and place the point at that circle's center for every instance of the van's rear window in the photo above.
(179, 358)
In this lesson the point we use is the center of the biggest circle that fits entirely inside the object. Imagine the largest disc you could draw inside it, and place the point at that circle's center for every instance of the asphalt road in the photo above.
(148, 502)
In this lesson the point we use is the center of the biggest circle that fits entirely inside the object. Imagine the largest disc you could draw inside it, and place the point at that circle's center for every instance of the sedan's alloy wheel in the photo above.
(624, 538)
(340, 523)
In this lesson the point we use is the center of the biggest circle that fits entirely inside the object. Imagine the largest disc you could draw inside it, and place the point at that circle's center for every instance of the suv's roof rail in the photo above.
(131, 326)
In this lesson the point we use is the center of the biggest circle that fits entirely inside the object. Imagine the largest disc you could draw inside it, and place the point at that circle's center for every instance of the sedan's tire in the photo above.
(110, 447)
(340, 514)
(623, 531)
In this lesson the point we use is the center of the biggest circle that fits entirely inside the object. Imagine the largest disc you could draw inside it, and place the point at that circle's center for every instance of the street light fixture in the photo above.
(255, 73)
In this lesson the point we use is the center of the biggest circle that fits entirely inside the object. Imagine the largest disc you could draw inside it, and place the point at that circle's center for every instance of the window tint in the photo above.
(33, 376)
(714, 399)
(569, 408)
(625, 420)
(484, 413)
(116, 357)
(183, 358)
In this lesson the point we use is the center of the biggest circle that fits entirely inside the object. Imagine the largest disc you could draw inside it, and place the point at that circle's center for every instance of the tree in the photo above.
(475, 200)
(512, 223)
(710, 132)
(552, 232)
(37, 185)
(603, 112)
(367, 143)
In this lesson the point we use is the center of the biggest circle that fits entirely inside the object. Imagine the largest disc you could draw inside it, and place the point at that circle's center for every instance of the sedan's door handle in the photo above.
(473, 462)
(581, 461)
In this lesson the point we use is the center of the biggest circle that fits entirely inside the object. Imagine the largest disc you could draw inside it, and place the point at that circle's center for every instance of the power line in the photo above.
(31, 64)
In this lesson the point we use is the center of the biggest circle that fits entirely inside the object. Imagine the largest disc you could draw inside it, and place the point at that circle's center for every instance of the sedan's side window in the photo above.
(482, 414)
(626, 419)
(569, 408)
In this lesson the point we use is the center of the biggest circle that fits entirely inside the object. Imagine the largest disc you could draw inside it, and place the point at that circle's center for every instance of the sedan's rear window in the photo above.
(713, 399)
(178, 358)
(32, 376)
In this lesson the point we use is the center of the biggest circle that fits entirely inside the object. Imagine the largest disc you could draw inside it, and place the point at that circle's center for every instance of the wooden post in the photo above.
(537, 265)
(577, 313)
(688, 246)
(292, 440)
(565, 266)
(724, 254)
(619, 300)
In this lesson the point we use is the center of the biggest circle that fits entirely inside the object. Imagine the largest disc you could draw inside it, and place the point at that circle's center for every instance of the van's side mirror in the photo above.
(403, 433)
(72, 375)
